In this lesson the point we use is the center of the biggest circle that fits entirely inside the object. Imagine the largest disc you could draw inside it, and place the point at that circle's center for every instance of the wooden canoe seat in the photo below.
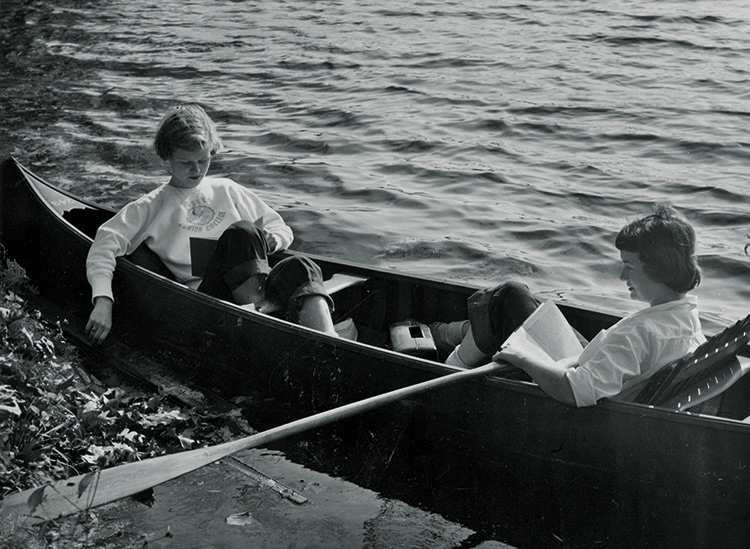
(361, 300)
(710, 370)
(340, 281)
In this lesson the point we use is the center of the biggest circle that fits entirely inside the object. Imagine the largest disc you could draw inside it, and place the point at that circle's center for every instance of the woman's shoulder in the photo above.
(221, 185)
(666, 318)
(686, 304)
(157, 193)
(147, 204)
(679, 308)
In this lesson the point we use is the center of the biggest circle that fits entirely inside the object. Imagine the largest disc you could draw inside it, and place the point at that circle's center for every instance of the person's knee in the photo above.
(295, 277)
(291, 272)
(494, 313)
(243, 232)
(512, 295)
(512, 287)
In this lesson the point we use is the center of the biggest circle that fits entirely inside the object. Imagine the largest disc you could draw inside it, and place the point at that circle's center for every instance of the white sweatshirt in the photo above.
(167, 217)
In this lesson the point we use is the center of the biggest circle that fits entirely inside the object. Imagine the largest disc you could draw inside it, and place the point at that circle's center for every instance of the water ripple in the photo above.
(465, 140)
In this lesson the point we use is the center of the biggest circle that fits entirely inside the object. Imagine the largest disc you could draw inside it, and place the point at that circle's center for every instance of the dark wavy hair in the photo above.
(665, 243)
(186, 127)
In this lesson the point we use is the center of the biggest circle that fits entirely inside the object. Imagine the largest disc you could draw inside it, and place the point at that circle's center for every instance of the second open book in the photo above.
(546, 331)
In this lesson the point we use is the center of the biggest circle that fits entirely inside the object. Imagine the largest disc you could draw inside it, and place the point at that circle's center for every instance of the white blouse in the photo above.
(634, 349)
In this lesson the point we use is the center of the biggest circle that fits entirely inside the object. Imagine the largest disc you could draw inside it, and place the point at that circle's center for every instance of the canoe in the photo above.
(624, 469)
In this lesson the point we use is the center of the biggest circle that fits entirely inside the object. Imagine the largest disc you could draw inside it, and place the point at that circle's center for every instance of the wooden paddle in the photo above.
(67, 497)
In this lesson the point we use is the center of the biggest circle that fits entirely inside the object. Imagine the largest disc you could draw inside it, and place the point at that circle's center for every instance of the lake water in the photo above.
(469, 140)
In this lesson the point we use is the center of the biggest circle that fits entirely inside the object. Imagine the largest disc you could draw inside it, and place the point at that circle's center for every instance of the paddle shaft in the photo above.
(67, 497)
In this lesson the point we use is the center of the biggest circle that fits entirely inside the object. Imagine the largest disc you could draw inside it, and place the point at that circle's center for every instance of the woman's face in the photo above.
(641, 287)
(188, 168)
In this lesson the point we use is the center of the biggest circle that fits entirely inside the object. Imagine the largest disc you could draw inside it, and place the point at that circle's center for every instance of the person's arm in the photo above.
(548, 374)
(113, 239)
(278, 234)
(100, 320)
(100, 266)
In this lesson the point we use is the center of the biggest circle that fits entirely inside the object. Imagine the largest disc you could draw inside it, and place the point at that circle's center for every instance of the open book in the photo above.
(546, 331)
(201, 250)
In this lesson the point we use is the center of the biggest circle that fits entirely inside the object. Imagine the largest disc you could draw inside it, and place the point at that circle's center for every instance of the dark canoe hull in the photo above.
(667, 472)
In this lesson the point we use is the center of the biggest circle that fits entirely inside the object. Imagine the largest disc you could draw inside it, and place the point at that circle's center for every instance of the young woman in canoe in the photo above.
(191, 211)
(659, 267)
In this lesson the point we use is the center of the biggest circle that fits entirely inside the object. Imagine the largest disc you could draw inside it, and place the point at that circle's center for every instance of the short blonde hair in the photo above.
(186, 127)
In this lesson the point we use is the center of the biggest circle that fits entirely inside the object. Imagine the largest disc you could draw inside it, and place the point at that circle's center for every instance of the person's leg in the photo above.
(447, 335)
(315, 313)
(494, 314)
(148, 259)
(250, 291)
(297, 283)
(467, 354)
(238, 267)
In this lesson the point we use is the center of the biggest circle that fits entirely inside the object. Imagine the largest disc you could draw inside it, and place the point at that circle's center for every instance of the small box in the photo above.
(413, 338)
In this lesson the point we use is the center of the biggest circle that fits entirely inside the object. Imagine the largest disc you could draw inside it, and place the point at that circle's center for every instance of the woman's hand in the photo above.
(518, 357)
(548, 374)
(273, 242)
(100, 320)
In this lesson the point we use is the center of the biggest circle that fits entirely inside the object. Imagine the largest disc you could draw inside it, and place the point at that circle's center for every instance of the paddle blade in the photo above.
(70, 496)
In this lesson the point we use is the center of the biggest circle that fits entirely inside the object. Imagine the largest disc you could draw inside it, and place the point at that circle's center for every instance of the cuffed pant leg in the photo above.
(291, 280)
(241, 251)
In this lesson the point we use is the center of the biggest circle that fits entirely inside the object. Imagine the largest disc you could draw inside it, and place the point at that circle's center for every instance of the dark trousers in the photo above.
(242, 251)
(496, 312)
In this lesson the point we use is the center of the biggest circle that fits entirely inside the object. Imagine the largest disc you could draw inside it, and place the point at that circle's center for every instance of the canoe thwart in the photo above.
(341, 281)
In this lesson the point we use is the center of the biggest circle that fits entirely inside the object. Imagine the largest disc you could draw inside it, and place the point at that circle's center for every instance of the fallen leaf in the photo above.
(35, 499)
(84, 484)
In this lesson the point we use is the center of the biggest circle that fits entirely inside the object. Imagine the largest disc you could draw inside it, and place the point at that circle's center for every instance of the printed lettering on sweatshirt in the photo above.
(201, 217)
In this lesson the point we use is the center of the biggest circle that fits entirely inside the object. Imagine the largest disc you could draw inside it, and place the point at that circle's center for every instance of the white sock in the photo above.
(449, 334)
(454, 359)
(347, 329)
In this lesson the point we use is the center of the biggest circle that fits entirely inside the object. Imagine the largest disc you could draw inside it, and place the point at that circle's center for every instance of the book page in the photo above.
(201, 250)
(548, 331)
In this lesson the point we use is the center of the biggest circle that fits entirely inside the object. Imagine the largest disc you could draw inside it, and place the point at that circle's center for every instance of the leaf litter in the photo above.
(58, 420)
